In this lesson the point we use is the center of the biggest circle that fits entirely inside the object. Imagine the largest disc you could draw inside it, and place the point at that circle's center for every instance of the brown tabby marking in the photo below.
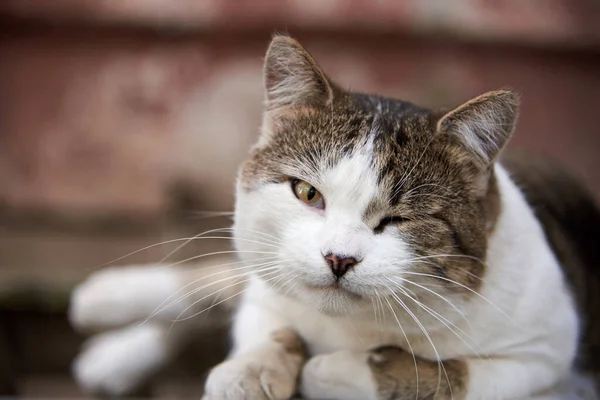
(395, 374)
(291, 342)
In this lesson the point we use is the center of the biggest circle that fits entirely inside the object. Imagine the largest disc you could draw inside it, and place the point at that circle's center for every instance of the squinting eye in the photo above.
(389, 220)
(307, 193)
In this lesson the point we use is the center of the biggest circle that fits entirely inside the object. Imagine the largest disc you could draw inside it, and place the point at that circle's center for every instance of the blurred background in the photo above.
(122, 122)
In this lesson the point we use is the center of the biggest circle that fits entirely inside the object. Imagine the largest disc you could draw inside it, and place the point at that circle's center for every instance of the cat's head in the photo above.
(349, 196)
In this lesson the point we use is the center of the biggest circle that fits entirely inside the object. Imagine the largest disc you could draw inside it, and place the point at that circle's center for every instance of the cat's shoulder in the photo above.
(570, 217)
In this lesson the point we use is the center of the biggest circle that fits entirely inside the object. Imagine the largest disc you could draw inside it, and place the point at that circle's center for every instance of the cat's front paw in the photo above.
(115, 297)
(246, 379)
(344, 375)
(119, 362)
(268, 372)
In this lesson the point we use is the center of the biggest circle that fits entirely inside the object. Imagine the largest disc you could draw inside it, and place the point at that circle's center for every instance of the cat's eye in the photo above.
(308, 194)
(389, 220)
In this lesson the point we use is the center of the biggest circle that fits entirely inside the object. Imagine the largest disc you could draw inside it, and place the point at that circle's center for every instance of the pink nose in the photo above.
(340, 265)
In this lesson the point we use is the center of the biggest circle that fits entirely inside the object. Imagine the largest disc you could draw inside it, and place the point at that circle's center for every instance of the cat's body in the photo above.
(417, 241)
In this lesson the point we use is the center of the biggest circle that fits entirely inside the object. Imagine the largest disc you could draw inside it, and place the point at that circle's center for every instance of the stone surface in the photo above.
(113, 122)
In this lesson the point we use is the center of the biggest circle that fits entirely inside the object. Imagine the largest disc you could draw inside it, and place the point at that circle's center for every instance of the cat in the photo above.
(385, 251)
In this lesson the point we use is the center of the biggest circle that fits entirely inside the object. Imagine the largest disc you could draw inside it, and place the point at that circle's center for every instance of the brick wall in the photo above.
(108, 105)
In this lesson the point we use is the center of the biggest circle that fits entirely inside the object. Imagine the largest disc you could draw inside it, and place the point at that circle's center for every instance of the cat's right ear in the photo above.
(483, 125)
(292, 76)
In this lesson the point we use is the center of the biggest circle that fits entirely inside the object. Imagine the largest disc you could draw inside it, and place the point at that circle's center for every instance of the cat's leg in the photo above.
(384, 373)
(389, 373)
(265, 363)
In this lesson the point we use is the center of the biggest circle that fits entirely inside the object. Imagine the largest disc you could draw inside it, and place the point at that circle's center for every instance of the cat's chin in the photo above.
(332, 300)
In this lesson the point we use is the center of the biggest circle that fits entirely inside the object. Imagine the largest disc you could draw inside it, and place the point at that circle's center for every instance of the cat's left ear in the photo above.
(293, 77)
(483, 125)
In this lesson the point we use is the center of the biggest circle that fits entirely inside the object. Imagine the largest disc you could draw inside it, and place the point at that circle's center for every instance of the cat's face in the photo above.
(349, 197)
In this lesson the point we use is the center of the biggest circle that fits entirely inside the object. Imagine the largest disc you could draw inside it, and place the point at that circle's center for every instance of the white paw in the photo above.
(239, 379)
(343, 375)
(115, 297)
(116, 363)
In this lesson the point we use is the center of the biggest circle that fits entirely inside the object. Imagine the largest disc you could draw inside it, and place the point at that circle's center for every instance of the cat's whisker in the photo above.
(294, 281)
(411, 194)
(454, 271)
(179, 319)
(210, 214)
(232, 239)
(428, 337)
(408, 193)
(208, 308)
(143, 249)
(279, 284)
(416, 296)
(470, 290)
(445, 321)
(219, 294)
(479, 260)
(186, 240)
(257, 268)
(375, 312)
(378, 318)
(462, 314)
(196, 290)
(408, 343)
(479, 352)
(381, 308)
(409, 173)
(210, 267)
(344, 303)
(168, 302)
(266, 236)
(202, 235)
(216, 253)
(239, 281)
(283, 276)
(427, 195)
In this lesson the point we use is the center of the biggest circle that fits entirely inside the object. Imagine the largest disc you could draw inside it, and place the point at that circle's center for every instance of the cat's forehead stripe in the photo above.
(352, 183)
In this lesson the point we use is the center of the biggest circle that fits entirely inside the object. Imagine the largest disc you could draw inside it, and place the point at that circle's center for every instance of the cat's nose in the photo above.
(339, 264)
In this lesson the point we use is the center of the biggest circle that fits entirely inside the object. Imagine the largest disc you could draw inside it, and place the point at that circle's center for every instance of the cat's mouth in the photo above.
(336, 286)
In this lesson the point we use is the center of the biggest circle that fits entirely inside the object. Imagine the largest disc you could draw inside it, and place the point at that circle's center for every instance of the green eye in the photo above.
(307, 193)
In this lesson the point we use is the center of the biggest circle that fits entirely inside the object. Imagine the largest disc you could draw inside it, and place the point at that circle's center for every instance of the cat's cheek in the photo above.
(343, 375)
(301, 242)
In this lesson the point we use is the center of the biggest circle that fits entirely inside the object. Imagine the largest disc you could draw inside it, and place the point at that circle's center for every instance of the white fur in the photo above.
(308, 234)
(523, 323)
(525, 278)
(339, 375)
(526, 326)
